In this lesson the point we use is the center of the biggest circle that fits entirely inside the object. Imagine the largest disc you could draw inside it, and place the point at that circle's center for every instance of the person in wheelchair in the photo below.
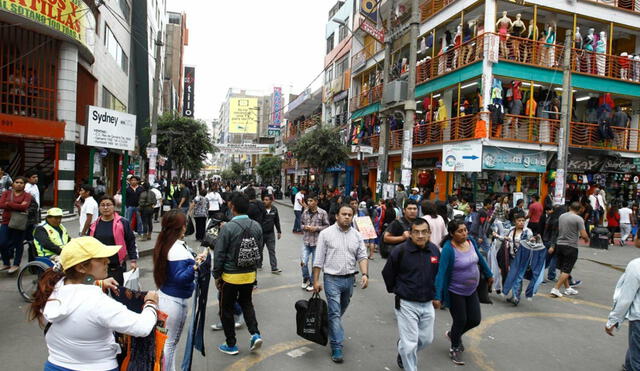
(50, 236)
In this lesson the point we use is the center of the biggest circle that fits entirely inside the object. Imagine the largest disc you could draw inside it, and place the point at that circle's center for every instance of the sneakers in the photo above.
(336, 355)
(513, 300)
(276, 271)
(455, 355)
(13, 269)
(555, 293)
(224, 348)
(238, 323)
(461, 347)
(217, 326)
(575, 283)
(309, 288)
(255, 342)
(305, 284)
(4, 268)
(571, 291)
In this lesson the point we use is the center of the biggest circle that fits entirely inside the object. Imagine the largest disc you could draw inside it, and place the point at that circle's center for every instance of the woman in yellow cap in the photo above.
(79, 318)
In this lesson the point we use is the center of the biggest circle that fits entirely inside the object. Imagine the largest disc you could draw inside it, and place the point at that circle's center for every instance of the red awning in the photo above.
(29, 127)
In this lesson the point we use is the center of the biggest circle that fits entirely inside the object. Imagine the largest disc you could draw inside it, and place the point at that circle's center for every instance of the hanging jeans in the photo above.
(176, 310)
(524, 259)
(415, 325)
(338, 290)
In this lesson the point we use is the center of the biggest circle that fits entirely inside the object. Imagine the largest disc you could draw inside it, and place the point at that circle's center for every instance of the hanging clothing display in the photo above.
(195, 337)
(530, 257)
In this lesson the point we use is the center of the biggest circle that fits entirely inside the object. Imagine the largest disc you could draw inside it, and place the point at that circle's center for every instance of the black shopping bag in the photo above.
(312, 321)
(191, 229)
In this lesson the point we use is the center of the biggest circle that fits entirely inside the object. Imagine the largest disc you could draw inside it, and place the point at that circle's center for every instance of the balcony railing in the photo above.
(526, 129)
(631, 5)
(590, 136)
(366, 98)
(372, 140)
(431, 7)
(451, 60)
(450, 130)
(521, 50)
(368, 51)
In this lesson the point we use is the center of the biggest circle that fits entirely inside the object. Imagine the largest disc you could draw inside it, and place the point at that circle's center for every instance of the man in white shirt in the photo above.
(32, 188)
(270, 190)
(215, 202)
(158, 206)
(625, 222)
(298, 206)
(598, 205)
(89, 210)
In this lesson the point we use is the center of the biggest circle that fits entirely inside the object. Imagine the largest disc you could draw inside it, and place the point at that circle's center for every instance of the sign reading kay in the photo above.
(462, 157)
(111, 129)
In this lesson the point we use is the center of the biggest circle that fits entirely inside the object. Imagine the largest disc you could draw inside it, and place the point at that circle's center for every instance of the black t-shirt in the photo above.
(186, 194)
(104, 233)
(398, 227)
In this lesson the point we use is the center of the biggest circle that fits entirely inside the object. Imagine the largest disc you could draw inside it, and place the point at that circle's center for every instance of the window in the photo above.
(330, 44)
(115, 49)
(111, 102)
(342, 66)
(125, 9)
(343, 30)
(328, 75)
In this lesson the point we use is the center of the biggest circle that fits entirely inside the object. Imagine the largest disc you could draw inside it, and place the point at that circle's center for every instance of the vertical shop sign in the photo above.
(369, 9)
(276, 112)
(189, 86)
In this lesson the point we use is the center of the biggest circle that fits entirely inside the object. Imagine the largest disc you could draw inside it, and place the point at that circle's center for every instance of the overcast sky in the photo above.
(252, 44)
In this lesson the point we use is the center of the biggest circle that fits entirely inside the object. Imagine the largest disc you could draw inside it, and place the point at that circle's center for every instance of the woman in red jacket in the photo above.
(613, 222)
(12, 200)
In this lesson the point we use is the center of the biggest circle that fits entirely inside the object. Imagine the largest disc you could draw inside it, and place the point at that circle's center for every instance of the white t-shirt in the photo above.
(270, 190)
(215, 200)
(158, 197)
(296, 204)
(33, 190)
(90, 206)
(625, 215)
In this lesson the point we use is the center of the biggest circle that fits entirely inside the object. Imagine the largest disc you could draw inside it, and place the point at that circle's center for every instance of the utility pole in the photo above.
(384, 124)
(563, 135)
(410, 102)
(152, 149)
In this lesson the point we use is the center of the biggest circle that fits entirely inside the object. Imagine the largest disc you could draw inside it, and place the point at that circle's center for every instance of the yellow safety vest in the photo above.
(170, 193)
(54, 236)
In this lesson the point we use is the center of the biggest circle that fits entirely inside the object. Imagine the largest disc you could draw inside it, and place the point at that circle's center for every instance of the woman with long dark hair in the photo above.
(80, 318)
(436, 222)
(459, 274)
(111, 229)
(174, 268)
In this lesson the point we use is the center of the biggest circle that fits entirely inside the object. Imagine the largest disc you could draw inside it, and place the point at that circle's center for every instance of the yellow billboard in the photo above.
(243, 115)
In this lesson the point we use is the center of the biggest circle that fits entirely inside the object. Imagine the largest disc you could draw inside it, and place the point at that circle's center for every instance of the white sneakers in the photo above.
(571, 291)
(555, 293)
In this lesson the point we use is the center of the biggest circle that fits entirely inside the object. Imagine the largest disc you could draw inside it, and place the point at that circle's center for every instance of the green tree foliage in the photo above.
(185, 141)
(321, 148)
(269, 168)
(234, 172)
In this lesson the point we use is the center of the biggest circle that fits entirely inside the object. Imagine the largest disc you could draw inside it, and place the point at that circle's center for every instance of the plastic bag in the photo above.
(132, 279)
(312, 321)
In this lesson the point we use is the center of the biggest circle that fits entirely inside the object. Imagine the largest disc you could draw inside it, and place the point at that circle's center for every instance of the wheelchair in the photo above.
(30, 274)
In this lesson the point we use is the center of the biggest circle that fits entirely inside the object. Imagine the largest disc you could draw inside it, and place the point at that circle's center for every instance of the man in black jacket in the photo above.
(410, 274)
(270, 220)
(256, 208)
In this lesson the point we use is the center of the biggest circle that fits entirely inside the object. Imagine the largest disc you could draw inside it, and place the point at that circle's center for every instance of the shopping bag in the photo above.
(191, 229)
(312, 321)
(132, 279)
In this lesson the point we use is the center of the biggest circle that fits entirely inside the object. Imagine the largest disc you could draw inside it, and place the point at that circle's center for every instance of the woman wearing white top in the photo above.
(215, 203)
(435, 221)
(81, 318)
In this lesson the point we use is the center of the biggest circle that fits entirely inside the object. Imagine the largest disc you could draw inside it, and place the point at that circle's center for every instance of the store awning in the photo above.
(29, 127)
(365, 111)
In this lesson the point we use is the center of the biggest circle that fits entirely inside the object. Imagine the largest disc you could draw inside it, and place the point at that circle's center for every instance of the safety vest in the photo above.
(54, 236)
(170, 193)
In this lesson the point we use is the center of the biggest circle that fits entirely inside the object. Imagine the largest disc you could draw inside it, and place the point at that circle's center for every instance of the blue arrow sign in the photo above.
(474, 157)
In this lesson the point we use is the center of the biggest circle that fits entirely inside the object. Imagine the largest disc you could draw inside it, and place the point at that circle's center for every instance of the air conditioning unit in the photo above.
(394, 93)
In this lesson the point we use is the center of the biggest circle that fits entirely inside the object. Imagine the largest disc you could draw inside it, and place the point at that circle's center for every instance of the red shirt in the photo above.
(16, 205)
(535, 212)
(613, 220)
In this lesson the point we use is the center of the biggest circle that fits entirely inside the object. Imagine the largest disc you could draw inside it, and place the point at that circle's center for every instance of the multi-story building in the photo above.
(177, 37)
(489, 80)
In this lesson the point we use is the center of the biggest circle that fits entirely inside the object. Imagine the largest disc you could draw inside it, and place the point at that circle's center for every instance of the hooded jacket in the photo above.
(83, 320)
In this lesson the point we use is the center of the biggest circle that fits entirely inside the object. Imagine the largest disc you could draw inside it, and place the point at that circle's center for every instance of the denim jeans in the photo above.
(625, 231)
(415, 325)
(48, 366)
(270, 241)
(632, 359)
(11, 245)
(297, 226)
(176, 310)
(307, 269)
(551, 262)
(338, 290)
(130, 210)
(525, 258)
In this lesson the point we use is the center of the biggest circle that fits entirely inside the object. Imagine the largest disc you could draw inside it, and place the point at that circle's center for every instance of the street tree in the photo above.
(320, 149)
(185, 141)
(269, 168)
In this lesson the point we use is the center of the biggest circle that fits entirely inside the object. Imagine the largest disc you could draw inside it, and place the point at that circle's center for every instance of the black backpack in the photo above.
(248, 253)
(385, 249)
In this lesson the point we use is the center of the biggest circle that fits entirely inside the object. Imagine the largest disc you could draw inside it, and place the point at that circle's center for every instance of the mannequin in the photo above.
(442, 58)
(636, 68)
(442, 112)
(517, 29)
(550, 40)
(601, 49)
(589, 41)
(623, 61)
(578, 45)
(504, 24)
(467, 34)
(457, 41)
(423, 45)
(531, 35)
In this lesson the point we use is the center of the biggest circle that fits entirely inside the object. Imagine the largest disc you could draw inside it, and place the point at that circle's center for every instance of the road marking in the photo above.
(249, 361)
(479, 357)
(612, 266)
(573, 300)
(299, 352)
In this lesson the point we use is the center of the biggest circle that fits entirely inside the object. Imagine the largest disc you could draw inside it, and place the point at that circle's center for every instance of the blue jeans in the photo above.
(176, 309)
(297, 227)
(525, 258)
(11, 245)
(307, 269)
(129, 215)
(338, 290)
(632, 359)
(48, 366)
(415, 325)
(551, 266)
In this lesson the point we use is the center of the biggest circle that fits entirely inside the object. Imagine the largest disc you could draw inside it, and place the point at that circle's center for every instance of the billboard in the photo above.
(107, 128)
(243, 115)
(369, 9)
(276, 111)
(189, 86)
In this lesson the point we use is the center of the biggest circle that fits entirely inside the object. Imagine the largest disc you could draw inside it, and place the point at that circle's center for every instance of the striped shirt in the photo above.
(338, 251)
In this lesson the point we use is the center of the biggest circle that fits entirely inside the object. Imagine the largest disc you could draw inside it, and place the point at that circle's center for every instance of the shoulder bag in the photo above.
(18, 219)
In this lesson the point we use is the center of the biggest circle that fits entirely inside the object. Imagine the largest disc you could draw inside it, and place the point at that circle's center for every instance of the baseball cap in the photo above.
(54, 211)
(415, 189)
(81, 249)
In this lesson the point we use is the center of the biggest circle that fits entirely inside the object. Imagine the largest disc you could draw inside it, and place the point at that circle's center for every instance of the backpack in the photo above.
(248, 253)
(385, 249)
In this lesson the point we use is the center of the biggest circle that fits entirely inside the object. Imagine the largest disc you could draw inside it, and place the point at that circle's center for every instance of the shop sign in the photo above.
(276, 116)
(462, 157)
(372, 30)
(362, 149)
(336, 169)
(495, 158)
(605, 165)
(189, 88)
(340, 96)
(110, 129)
(373, 164)
(31, 127)
(425, 163)
(369, 10)
(613, 165)
(245, 149)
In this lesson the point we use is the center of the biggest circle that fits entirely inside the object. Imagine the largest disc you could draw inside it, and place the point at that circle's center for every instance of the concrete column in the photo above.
(635, 121)
(66, 110)
(447, 96)
(490, 10)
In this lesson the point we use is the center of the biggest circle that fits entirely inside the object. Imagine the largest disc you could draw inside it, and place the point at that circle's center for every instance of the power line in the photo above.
(133, 36)
(30, 21)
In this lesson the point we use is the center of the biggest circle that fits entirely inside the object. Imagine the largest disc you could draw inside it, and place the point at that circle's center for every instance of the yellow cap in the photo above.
(81, 249)
(54, 211)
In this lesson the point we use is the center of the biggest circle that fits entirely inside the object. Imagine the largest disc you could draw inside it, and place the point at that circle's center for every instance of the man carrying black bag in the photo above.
(410, 273)
(312, 322)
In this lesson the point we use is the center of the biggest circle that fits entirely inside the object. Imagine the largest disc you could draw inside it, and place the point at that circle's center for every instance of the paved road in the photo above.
(552, 334)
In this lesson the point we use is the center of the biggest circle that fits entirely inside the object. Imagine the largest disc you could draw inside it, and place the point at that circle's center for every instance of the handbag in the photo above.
(18, 219)
(191, 229)
(312, 319)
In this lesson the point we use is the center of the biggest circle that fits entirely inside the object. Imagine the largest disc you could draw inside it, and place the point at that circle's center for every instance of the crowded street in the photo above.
(547, 333)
